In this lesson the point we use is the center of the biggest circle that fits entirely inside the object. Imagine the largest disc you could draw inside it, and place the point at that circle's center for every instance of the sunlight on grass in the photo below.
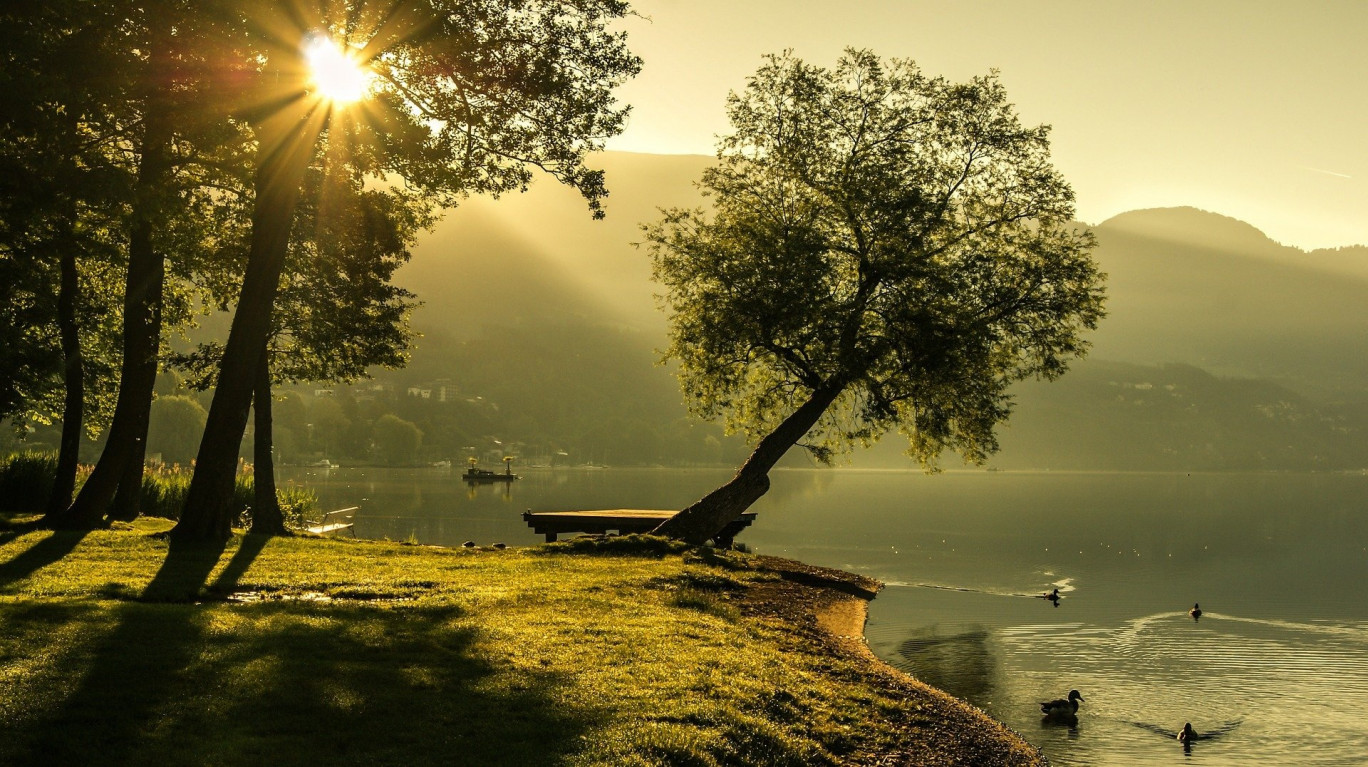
(634, 656)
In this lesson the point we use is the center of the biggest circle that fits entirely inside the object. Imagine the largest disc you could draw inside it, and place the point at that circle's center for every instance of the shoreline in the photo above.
(587, 652)
(938, 728)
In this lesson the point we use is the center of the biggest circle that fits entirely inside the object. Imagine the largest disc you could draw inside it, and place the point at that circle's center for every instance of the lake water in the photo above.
(1277, 666)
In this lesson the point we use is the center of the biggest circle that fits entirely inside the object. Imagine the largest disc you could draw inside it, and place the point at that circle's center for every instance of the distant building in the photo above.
(441, 390)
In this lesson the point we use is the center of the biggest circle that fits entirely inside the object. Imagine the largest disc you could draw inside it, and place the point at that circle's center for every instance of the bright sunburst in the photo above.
(336, 75)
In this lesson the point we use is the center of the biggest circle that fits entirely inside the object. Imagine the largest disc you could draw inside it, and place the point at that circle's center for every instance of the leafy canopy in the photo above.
(896, 239)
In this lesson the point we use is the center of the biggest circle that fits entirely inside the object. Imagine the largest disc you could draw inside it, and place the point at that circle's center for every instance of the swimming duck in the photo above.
(1062, 707)
(1196, 611)
(1053, 596)
(1188, 734)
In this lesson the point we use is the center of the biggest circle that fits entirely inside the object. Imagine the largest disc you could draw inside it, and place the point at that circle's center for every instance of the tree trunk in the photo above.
(266, 516)
(286, 145)
(142, 337)
(127, 504)
(73, 409)
(708, 516)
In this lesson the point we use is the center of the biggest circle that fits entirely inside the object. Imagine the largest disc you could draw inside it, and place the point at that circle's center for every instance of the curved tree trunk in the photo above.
(707, 517)
(141, 342)
(266, 516)
(286, 146)
(73, 409)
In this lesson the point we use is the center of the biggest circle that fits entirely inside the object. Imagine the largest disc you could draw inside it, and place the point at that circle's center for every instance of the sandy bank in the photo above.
(829, 607)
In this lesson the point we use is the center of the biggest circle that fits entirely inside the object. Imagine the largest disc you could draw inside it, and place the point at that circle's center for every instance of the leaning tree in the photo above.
(885, 250)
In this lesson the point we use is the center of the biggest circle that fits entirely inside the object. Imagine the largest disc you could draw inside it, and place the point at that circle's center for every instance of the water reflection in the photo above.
(960, 661)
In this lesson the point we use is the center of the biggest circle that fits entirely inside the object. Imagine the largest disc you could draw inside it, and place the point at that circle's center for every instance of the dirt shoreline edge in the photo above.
(830, 607)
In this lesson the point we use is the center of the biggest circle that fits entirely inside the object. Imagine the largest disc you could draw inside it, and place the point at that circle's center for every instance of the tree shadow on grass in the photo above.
(361, 684)
(249, 547)
(133, 671)
(293, 682)
(185, 570)
(13, 525)
(41, 554)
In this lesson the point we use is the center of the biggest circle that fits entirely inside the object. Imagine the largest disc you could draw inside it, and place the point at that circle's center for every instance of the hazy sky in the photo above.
(1253, 109)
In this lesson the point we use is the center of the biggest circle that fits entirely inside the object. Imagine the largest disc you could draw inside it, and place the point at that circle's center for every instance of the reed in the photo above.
(26, 482)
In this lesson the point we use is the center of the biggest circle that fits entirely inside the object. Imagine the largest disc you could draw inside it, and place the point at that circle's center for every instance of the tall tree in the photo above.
(468, 97)
(60, 207)
(183, 62)
(336, 313)
(886, 250)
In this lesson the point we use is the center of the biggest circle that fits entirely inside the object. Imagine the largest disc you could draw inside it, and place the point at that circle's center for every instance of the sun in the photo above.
(337, 75)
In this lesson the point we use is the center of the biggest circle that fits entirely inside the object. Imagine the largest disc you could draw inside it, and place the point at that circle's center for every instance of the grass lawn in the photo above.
(312, 651)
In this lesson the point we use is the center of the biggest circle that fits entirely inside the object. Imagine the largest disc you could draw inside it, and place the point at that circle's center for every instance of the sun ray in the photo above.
(336, 73)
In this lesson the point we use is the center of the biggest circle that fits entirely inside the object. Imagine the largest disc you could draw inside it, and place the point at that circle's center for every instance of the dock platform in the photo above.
(623, 521)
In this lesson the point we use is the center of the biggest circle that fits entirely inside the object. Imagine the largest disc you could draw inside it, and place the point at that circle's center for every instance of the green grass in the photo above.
(376, 653)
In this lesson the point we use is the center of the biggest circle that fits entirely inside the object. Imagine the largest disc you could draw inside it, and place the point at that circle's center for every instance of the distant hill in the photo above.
(1110, 415)
(1202, 289)
(1240, 325)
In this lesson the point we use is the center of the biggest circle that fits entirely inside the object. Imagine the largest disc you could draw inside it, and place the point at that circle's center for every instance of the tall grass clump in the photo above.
(165, 487)
(163, 490)
(26, 480)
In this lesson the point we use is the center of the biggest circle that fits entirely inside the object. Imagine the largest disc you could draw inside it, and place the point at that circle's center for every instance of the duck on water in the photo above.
(1062, 708)
(1188, 735)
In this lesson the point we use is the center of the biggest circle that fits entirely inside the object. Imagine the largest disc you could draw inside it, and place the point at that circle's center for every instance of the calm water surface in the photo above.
(1277, 665)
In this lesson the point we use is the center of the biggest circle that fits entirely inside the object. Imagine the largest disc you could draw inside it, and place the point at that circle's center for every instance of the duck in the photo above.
(1188, 734)
(1053, 596)
(1196, 611)
(1062, 707)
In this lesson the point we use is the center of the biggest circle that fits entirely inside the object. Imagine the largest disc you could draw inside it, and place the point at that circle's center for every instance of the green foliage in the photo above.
(62, 199)
(893, 241)
(174, 428)
(396, 440)
(336, 314)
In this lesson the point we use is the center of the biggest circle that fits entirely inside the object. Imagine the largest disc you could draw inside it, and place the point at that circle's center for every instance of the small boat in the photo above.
(475, 475)
(485, 475)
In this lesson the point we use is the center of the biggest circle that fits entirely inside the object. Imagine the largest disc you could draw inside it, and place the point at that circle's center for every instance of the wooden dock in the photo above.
(602, 521)
(335, 521)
